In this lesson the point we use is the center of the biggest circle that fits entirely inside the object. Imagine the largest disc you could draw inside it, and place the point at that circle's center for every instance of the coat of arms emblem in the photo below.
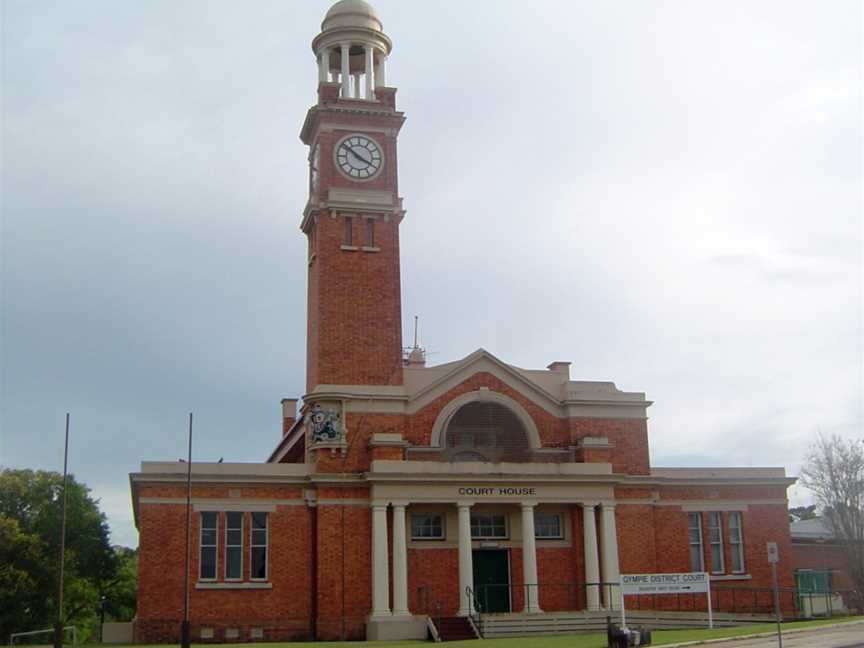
(326, 424)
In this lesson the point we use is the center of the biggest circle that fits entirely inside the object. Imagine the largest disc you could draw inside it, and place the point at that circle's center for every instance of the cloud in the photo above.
(666, 194)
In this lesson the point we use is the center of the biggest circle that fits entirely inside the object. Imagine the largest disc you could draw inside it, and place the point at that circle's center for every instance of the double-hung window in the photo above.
(427, 526)
(548, 526)
(233, 546)
(489, 526)
(258, 547)
(694, 532)
(715, 537)
(209, 532)
(736, 542)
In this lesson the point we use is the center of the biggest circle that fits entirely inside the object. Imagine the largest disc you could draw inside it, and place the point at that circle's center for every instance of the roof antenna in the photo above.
(416, 357)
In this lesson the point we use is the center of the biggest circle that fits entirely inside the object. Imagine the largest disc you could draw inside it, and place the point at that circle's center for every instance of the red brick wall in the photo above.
(355, 317)
(824, 556)
(344, 571)
(283, 611)
(628, 437)
(433, 576)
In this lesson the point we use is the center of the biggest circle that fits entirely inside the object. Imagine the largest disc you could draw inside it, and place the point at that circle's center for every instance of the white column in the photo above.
(370, 74)
(592, 564)
(357, 94)
(380, 575)
(400, 562)
(381, 71)
(610, 556)
(324, 66)
(466, 567)
(346, 69)
(529, 561)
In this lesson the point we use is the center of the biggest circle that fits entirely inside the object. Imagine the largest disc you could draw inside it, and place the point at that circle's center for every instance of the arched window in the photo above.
(486, 431)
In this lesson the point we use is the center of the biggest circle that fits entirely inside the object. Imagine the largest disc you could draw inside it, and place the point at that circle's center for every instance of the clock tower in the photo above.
(352, 216)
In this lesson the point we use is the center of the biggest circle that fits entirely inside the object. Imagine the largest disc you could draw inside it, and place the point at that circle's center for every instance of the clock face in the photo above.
(359, 157)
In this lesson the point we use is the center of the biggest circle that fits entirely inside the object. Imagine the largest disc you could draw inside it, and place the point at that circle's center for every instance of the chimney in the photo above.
(289, 414)
(560, 367)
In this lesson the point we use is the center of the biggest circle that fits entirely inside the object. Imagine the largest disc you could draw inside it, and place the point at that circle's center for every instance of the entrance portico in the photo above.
(466, 506)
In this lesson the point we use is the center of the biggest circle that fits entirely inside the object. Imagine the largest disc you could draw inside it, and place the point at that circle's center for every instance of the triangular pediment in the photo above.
(444, 378)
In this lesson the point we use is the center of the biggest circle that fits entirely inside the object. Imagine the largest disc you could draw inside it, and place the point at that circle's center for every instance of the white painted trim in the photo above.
(266, 546)
(234, 586)
(201, 546)
(485, 396)
(225, 548)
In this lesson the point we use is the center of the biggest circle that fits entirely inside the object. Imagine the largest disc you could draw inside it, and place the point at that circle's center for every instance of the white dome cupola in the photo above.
(352, 49)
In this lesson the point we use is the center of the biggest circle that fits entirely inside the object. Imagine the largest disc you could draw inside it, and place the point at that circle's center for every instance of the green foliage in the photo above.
(30, 522)
(798, 513)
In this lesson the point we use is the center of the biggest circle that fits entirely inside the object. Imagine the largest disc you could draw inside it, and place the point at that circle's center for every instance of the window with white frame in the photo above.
(488, 526)
(694, 532)
(715, 538)
(370, 232)
(233, 546)
(258, 547)
(736, 542)
(548, 525)
(209, 531)
(427, 526)
(348, 233)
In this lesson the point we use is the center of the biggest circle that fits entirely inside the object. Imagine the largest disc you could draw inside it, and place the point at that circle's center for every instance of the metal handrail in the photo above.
(475, 610)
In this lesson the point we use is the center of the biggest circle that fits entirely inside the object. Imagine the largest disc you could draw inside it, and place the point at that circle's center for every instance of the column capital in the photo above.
(587, 505)
(400, 504)
(465, 505)
(378, 505)
(528, 505)
(607, 506)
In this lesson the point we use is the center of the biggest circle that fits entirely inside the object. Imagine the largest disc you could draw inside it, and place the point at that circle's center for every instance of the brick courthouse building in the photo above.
(399, 486)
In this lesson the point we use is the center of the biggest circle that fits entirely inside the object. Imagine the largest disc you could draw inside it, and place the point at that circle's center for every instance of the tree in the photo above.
(30, 518)
(799, 513)
(834, 472)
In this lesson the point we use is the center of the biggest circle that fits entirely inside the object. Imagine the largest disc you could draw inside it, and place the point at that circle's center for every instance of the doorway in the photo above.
(492, 579)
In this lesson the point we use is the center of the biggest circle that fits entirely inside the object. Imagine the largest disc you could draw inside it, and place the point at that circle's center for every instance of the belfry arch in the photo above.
(485, 426)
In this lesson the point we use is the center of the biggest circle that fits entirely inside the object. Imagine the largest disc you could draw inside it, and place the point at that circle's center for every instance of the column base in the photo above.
(534, 610)
(400, 627)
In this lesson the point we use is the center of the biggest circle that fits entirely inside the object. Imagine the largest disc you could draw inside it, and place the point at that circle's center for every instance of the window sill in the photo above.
(229, 586)
(367, 248)
(730, 577)
(349, 248)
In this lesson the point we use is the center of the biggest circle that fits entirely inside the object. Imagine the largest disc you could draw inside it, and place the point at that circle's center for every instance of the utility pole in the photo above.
(58, 624)
(184, 628)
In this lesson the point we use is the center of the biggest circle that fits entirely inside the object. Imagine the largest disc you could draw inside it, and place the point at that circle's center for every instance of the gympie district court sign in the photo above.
(694, 583)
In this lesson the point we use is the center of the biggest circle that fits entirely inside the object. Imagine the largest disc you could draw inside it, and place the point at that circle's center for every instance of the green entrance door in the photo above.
(492, 579)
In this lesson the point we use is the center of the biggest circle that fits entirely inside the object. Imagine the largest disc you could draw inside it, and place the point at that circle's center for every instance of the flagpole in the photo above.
(184, 628)
(58, 625)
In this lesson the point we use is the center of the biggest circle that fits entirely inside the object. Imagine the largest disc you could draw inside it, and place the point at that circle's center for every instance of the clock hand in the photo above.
(356, 155)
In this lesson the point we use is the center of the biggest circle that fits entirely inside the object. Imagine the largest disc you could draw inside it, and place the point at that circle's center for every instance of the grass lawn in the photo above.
(661, 638)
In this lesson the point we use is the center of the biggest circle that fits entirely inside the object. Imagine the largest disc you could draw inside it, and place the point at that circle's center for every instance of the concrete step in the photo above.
(455, 629)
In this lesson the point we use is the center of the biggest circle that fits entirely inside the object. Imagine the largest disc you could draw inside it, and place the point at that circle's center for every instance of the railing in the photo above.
(561, 596)
(475, 610)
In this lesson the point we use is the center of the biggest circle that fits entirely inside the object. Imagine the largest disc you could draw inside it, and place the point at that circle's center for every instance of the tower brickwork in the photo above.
(352, 217)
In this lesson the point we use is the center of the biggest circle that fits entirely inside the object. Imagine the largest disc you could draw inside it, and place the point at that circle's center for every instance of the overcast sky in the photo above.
(666, 193)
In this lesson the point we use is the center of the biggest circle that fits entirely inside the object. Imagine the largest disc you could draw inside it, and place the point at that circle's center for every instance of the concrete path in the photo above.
(846, 635)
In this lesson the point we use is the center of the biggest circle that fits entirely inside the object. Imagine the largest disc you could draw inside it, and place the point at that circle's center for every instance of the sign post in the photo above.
(774, 558)
(690, 583)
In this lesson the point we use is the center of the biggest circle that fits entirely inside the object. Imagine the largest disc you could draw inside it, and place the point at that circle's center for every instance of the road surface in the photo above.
(847, 635)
